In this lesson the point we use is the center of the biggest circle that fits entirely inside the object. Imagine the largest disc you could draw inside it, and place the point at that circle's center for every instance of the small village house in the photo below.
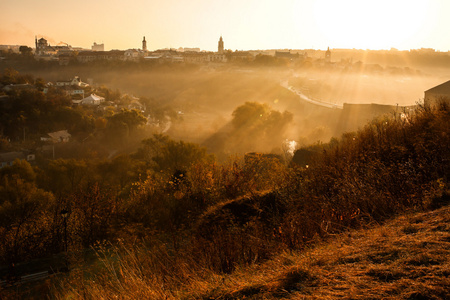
(57, 137)
(76, 81)
(93, 99)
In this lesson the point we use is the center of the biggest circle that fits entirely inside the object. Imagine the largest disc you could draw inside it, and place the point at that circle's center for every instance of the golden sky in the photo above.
(244, 24)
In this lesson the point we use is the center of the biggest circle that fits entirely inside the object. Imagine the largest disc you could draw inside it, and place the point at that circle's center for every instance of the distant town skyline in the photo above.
(244, 25)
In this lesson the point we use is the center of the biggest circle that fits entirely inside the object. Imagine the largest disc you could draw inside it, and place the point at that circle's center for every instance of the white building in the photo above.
(93, 99)
(98, 47)
(57, 137)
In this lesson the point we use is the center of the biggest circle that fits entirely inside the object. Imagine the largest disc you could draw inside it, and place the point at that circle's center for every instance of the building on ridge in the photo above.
(220, 50)
(328, 55)
(98, 47)
(439, 93)
(43, 48)
(144, 45)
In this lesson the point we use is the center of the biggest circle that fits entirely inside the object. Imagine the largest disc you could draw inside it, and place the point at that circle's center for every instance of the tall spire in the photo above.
(220, 49)
(144, 44)
(328, 55)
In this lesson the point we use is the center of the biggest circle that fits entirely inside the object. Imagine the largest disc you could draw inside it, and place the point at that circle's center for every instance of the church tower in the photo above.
(328, 55)
(220, 45)
(144, 44)
(41, 45)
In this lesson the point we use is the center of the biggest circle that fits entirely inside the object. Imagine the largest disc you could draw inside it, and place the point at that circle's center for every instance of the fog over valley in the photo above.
(197, 102)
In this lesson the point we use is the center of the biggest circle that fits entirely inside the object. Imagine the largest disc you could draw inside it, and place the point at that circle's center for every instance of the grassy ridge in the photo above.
(407, 258)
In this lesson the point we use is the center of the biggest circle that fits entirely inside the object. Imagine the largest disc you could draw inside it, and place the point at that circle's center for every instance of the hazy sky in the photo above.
(244, 24)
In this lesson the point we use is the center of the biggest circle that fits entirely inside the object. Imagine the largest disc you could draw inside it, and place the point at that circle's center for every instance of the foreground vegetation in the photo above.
(407, 258)
(178, 233)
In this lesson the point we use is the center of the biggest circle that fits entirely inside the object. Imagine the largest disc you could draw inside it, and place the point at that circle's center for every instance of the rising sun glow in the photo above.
(370, 25)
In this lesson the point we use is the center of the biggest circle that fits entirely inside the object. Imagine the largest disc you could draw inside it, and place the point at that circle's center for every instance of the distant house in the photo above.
(44, 49)
(57, 137)
(73, 87)
(74, 91)
(98, 47)
(165, 56)
(438, 93)
(153, 57)
(217, 57)
(88, 56)
(76, 81)
(93, 99)
(195, 57)
(132, 54)
(8, 158)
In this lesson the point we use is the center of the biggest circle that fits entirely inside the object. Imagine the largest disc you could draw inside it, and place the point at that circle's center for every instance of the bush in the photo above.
(391, 165)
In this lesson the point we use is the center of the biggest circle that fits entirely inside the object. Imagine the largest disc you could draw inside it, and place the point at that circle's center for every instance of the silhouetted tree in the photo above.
(256, 124)
(169, 155)
(24, 224)
(25, 50)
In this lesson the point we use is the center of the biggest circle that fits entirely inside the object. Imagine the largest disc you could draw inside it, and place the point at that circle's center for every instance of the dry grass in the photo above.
(408, 258)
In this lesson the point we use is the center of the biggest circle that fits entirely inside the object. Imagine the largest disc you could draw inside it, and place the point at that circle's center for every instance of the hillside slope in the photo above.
(407, 258)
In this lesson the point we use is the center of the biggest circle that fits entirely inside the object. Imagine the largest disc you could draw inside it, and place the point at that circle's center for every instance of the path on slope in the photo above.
(286, 85)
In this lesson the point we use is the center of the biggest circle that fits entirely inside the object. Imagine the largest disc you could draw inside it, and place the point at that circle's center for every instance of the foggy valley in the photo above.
(198, 101)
